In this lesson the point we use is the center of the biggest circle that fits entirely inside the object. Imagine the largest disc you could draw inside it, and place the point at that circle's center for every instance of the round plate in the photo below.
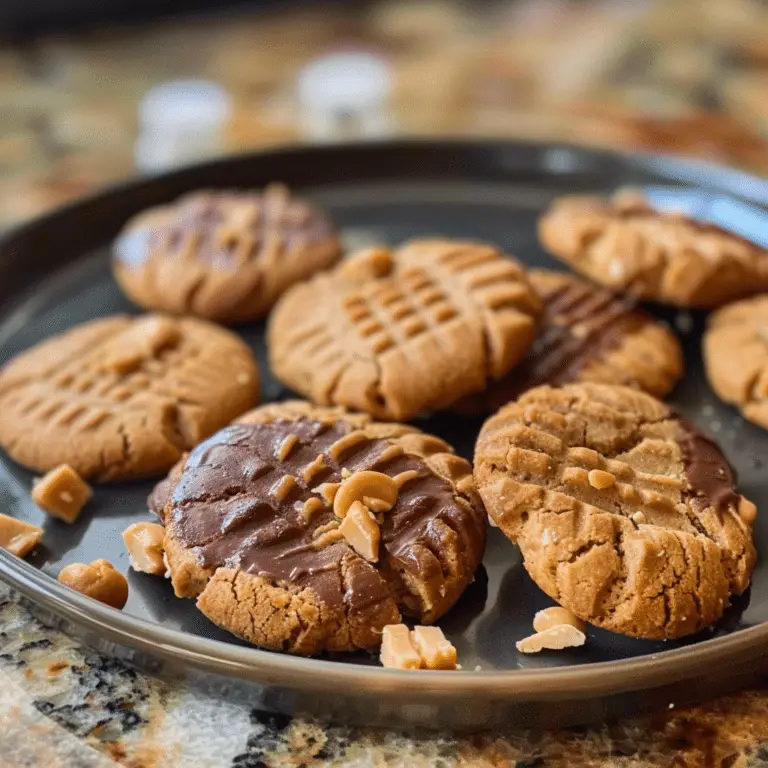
(386, 193)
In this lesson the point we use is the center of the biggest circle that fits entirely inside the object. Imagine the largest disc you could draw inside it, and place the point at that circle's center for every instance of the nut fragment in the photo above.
(18, 537)
(397, 651)
(555, 638)
(62, 493)
(360, 529)
(747, 511)
(600, 479)
(144, 542)
(555, 616)
(435, 650)
(362, 485)
(99, 581)
(327, 491)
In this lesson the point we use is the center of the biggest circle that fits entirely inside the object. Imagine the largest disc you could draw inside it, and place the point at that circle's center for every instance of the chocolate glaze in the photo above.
(560, 352)
(194, 222)
(708, 472)
(224, 509)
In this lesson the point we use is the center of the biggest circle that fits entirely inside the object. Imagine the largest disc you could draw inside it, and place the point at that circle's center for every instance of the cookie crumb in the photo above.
(62, 493)
(18, 537)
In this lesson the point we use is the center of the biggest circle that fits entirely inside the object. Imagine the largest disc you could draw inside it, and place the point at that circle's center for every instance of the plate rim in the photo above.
(270, 668)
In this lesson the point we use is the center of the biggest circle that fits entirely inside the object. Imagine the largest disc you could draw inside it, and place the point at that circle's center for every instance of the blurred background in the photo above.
(77, 112)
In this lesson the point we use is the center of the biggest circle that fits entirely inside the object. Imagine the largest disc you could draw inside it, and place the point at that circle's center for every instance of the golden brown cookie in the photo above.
(624, 512)
(123, 397)
(736, 356)
(224, 256)
(395, 333)
(587, 334)
(627, 246)
(265, 521)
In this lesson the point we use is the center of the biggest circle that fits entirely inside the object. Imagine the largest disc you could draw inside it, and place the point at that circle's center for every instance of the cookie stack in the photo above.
(312, 525)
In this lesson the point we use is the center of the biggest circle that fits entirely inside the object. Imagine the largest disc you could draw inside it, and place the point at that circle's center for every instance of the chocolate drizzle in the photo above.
(709, 474)
(225, 509)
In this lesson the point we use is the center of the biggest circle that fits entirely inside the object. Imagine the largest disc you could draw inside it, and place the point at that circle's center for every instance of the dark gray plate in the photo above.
(387, 193)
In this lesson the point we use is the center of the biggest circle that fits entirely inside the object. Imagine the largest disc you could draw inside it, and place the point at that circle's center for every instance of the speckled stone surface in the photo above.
(62, 704)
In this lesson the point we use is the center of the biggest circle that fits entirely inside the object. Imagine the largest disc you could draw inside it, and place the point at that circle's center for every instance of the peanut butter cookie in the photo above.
(395, 333)
(305, 529)
(587, 334)
(627, 246)
(624, 512)
(736, 356)
(224, 256)
(123, 397)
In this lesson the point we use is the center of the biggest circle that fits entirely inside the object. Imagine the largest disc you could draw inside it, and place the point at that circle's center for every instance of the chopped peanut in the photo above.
(18, 537)
(600, 479)
(555, 638)
(144, 542)
(555, 616)
(362, 485)
(62, 493)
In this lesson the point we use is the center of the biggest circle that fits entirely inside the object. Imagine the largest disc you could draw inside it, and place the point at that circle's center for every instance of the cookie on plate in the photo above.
(587, 334)
(395, 333)
(624, 512)
(307, 529)
(627, 246)
(736, 356)
(123, 397)
(224, 256)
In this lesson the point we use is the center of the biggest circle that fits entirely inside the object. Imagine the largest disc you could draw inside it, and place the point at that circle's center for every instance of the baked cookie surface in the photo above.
(123, 397)
(224, 256)
(627, 246)
(735, 346)
(254, 528)
(395, 333)
(624, 512)
(587, 334)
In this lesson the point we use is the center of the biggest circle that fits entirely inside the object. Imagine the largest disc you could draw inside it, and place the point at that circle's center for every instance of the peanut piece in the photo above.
(397, 651)
(144, 542)
(358, 486)
(435, 650)
(555, 616)
(360, 529)
(600, 479)
(18, 537)
(327, 491)
(747, 511)
(62, 493)
(555, 638)
(99, 581)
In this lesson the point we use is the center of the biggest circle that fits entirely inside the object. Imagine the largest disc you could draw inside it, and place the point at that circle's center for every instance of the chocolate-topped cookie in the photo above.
(628, 246)
(587, 334)
(625, 513)
(123, 397)
(222, 255)
(396, 333)
(307, 529)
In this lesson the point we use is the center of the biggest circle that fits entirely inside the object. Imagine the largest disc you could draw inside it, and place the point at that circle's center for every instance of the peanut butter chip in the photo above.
(555, 639)
(600, 479)
(360, 529)
(397, 651)
(435, 650)
(62, 493)
(358, 486)
(18, 537)
(555, 616)
(144, 542)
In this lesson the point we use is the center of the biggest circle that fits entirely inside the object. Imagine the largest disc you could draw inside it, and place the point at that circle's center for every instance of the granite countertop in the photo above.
(689, 76)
